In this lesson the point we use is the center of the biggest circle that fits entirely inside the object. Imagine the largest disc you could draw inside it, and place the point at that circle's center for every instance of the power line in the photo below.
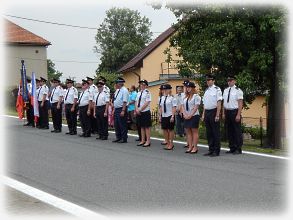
(60, 24)
(57, 61)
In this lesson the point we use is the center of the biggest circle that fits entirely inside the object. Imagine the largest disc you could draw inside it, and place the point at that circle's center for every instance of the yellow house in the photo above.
(150, 64)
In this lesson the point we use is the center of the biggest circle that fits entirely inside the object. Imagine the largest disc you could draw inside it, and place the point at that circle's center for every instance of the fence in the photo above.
(254, 130)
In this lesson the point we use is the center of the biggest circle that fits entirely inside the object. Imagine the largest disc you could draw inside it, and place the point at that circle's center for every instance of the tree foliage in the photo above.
(52, 72)
(243, 41)
(122, 35)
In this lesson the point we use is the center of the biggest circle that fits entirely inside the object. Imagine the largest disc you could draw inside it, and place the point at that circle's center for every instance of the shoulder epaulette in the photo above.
(236, 87)
(216, 87)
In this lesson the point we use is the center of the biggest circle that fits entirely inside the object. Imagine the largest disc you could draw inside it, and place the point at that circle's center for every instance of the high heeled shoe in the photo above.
(140, 144)
(194, 152)
(166, 148)
(188, 151)
(148, 145)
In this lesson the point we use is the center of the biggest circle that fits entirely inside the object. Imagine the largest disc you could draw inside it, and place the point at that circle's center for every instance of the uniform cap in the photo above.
(69, 81)
(185, 82)
(210, 76)
(120, 80)
(100, 83)
(37, 80)
(143, 81)
(190, 84)
(28, 78)
(43, 79)
(89, 78)
(85, 81)
(231, 77)
(56, 80)
(102, 78)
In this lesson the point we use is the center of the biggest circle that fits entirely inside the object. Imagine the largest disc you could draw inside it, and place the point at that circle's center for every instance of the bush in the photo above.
(254, 132)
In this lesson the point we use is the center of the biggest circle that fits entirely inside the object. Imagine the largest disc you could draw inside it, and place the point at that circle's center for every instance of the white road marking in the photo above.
(182, 142)
(59, 203)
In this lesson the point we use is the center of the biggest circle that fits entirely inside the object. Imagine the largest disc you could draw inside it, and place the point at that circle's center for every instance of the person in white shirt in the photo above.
(143, 113)
(212, 100)
(167, 110)
(93, 90)
(84, 107)
(70, 101)
(159, 104)
(56, 106)
(233, 104)
(43, 104)
(38, 87)
(179, 122)
(101, 104)
(120, 101)
(189, 108)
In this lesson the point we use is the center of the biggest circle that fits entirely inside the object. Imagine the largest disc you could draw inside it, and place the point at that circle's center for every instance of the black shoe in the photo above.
(186, 146)
(69, 132)
(208, 154)
(53, 131)
(87, 135)
(58, 131)
(81, 135)
(194, 152)
(140, 144)
(73, 133)
(215, 155)
(46, 127)
(104, 138)
(237, 152)
(148, 145)
(172, 148)
(230, 152)
(122, 141)
(137, 139)
(117, 140)
(27, 124)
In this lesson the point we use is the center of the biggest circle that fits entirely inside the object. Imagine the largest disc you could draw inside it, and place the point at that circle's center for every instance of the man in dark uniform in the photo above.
(43, 104)
(70, 101)
(29, 108)
(212, 100)
(56, 106)
(93, 90)
(233, 103)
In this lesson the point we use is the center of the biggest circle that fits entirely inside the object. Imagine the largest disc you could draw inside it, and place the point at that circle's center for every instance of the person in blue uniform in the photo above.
(143, 113)
(233, 104)
(212, 101)
(101, 104)
(70, 101)
(56, 106)
(120, 101)
(43, 100)
(84, 106)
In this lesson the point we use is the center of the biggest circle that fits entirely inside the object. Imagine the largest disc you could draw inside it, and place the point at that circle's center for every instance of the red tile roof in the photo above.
(136, 61)
(14, 34)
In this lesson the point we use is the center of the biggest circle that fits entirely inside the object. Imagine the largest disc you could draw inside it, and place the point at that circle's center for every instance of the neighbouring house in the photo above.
(21, 44)
(150, 64)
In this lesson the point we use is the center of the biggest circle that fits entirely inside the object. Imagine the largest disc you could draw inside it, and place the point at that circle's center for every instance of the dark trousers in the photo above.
(85, 120)
(44, 115)
(212, 131)
(233, 130)
(102, 122)
(179, 124)
(56, 116)
(120, 124)
(30, 114)
(71, 117)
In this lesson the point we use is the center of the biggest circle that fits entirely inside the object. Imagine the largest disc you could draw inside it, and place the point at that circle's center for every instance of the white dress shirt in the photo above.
(43, 91)
(57, 92)
(70, 94)
(85, 97)
(170, 102)
(144, 96)
(192, 103)
(212, 95)
(120, 96)
(235, 95)
(101, 98)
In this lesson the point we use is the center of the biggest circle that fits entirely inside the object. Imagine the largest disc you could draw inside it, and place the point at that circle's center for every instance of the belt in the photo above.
(234, 109)
(100, 106)
(83, 106)
(209, 110)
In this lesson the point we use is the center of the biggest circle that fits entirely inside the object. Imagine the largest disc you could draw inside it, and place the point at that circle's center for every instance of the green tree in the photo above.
(122, 35)
(246, 42)
(52, 72)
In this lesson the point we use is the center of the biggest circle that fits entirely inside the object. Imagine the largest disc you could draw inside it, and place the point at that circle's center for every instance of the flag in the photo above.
(24, 82)
(19, 103)
(34, 100)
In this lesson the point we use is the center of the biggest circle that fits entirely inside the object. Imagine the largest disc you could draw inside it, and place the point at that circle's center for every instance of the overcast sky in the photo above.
(74, 44)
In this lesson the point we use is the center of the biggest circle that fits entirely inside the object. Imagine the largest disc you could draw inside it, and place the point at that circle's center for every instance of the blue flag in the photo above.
(24, 82)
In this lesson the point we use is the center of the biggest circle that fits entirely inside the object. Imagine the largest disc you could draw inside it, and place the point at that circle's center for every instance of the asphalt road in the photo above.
(115, 179)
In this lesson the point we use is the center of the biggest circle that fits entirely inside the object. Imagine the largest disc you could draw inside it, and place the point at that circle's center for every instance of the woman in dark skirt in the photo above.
(167, 110)
(190, 112)
(143, 113)
(161, 95)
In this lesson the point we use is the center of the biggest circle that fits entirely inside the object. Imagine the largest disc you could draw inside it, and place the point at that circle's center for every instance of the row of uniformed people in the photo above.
(94, 101)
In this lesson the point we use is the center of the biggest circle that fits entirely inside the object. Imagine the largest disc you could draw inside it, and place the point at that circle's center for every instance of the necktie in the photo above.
(97, 99)
(52, 95)
(80, 97)
(229, 95)
(116, 95)
(67, 93)
(139, 100)
(165, 107)
(39, 92)
(187, 107)
(160, 100)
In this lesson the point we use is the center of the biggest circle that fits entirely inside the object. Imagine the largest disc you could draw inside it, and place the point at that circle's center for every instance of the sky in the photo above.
(74, 44)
